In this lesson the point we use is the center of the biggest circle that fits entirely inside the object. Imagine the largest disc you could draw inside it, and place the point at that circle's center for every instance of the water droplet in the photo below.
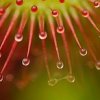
(2, 11)
(61, 1)
(55, 13)
(83, 52)
(25, 62)
(96, 4)
(85, 13)
(18, 37)
(52, 82)
(34, 8)
(60, 29)
(98, 65)
(1, 77)
(70, 78)
(19, 2)
(43, 35)
(60, 65)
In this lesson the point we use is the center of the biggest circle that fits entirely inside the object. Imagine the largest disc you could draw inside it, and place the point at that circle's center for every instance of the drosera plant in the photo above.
(56, 15)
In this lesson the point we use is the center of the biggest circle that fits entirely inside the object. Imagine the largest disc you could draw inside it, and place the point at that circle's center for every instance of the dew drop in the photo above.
(83, 52)
(52, 82)
(60, 65)
(96, 4)
(34, 8)
(85, 13)
(25, 62)
(19, 2)
(55, 13)
(2, 11)
(98, 65)
(70, 78)
(60, 29)
(18, 37)
(61, 1)
(1, 77)
(43, 35)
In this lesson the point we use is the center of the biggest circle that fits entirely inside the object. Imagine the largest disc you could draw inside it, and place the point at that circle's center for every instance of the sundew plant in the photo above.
(58, 37)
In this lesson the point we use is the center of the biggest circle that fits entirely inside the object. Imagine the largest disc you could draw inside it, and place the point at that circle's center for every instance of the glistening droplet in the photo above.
(98, 65)
(34, 8)
(60, 29)
(25, 62)
(70, 78)
(83, 52)
(55, 13)
(85, 13)
(19, 2)
(18, 37)
(60, 65)
(2, 11)
(43, 35)
(96, 4)
(52, 82)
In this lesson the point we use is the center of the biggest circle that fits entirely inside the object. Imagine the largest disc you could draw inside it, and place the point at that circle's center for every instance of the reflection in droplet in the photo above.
(85, 13)
(2, 11)
(98, 65)
(52, 82)
(70, 78)
(60, 65)
(19, 2)
(18, 37)
(25, 62)
(83, 52)
(60, 29)
(34, 8)
(55, 13)
(96, 4)
(43, 35)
